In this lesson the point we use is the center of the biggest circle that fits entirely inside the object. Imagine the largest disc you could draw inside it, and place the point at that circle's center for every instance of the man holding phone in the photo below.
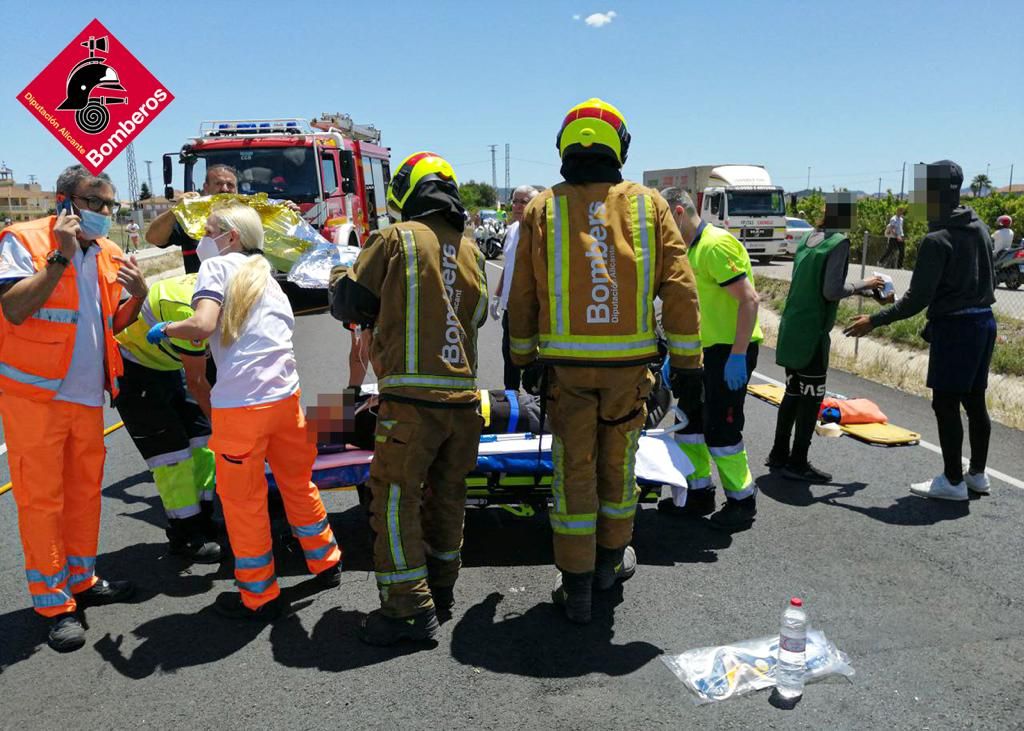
(61, 284)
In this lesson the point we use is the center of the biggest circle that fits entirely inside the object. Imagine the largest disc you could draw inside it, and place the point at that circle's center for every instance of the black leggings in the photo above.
(946, 405)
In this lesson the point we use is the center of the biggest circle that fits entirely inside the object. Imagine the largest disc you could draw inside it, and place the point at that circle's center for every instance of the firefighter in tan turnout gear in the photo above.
(422, 286)
(594, 252)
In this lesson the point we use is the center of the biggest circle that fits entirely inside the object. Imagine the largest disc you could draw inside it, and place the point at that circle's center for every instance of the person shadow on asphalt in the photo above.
(541, 643)
(907, 510)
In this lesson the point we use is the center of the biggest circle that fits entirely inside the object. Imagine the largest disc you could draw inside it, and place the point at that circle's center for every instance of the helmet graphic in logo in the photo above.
(92, 73)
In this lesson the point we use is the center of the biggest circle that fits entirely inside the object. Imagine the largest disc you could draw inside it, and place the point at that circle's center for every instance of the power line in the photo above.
(538, 162)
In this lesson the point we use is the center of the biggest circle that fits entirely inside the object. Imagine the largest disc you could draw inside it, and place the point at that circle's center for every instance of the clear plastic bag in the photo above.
(718, 673)
(312, 270)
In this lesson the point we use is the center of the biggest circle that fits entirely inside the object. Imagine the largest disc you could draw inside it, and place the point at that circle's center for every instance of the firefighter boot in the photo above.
(614, 565)
(573, 591)
(384, 631)
(444, 601)
(186, 537)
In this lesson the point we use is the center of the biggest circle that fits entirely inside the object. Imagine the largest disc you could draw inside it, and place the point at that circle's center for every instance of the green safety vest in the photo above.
(169, 300)
(808, 317)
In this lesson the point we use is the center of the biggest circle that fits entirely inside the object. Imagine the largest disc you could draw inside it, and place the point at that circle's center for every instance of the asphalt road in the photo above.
(924, 597)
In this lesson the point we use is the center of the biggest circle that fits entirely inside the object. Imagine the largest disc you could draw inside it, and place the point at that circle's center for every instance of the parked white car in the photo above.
(796, 229)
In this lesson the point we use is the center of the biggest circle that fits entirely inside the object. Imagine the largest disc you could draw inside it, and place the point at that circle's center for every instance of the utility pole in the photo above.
(808, 177)
(32, 178)
(1011, 179)
(508, 174)
(149, 175)
(494, 168)
(903, 177)
(879, 187)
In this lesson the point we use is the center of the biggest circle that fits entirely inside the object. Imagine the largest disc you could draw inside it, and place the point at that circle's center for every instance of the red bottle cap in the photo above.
(796, 602)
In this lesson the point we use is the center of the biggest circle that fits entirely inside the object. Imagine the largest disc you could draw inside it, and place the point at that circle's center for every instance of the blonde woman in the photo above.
(256, 414)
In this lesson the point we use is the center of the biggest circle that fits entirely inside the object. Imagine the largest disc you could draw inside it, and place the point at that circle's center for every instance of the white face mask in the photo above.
(207, 247)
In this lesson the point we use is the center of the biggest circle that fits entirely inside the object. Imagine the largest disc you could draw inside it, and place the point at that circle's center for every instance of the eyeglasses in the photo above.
(520, 201)
(98, 204)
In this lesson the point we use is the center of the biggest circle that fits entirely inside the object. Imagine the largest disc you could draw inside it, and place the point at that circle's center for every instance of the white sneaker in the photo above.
(978, 483)
(941, 488)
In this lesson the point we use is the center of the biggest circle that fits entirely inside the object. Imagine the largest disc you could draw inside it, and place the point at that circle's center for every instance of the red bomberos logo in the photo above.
(95, 97)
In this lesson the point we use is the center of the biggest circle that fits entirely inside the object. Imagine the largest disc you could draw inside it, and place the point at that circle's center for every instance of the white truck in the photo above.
(740, 198)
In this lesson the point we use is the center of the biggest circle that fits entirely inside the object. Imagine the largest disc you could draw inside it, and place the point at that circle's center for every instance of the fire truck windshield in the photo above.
(280, 172)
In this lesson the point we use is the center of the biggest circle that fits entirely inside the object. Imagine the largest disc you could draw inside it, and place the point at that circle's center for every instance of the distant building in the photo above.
(23, 201)
(153, 207)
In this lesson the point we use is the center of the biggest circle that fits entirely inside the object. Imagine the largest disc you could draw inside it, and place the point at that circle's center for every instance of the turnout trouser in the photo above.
(242, 439)
(421, 457)
(171, 433)
(716, 434)
(56, 454)
(596, 415)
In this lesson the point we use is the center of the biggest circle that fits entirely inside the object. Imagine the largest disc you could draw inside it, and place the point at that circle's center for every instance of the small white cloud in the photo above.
(596, 20)
(576, 17)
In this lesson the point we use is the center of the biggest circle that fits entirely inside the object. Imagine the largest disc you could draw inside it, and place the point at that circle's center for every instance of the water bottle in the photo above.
(789, 673)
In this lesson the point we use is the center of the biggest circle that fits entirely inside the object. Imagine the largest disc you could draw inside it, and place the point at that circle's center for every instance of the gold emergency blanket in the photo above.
(286, 235)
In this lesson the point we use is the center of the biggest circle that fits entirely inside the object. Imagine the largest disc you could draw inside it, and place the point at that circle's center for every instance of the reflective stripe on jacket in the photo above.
(591, 260)
(432, 288)
(35, 356)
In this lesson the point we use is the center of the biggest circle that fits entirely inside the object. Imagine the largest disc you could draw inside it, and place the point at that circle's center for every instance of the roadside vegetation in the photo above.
(873, 215)
(1007, 359)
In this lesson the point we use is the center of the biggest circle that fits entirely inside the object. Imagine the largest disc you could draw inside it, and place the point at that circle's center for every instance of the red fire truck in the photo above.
(336, 171)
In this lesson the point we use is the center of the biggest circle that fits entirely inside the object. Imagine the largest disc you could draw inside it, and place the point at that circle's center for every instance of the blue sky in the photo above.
(850, 89)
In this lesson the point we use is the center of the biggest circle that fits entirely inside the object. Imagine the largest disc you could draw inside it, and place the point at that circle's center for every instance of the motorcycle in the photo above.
(490, 236)
(1009, 267)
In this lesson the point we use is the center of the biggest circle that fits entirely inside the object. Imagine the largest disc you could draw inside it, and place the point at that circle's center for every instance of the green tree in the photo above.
(478, 195)
(811, 208)
(979, 183)
(144, 193)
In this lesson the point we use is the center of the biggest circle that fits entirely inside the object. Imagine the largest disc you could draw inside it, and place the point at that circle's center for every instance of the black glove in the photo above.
(533, 374)
(688, 388)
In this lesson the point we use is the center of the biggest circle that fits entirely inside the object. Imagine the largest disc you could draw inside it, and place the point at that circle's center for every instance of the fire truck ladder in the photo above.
(348, 129)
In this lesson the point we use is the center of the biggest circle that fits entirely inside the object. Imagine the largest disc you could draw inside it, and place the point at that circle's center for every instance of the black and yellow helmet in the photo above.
(413, 170)
(594, 126)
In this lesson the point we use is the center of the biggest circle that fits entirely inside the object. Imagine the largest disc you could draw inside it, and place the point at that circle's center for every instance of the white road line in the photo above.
(928, 445)
(988, 470)
(770, 380)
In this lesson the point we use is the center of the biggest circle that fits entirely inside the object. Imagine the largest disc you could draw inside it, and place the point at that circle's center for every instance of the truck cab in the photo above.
(753, 214)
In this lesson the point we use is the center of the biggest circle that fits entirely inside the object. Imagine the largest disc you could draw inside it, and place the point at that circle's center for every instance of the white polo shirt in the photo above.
(259, 367)
(508, 249)
(85, 379)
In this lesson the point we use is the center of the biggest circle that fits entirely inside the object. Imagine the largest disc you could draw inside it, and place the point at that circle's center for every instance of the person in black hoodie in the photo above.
(953, 278)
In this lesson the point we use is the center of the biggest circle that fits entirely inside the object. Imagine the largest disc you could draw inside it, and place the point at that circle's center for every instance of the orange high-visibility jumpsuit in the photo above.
(55, 447)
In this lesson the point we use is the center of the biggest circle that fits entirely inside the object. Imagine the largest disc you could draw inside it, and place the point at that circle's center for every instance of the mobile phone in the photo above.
(64, 205)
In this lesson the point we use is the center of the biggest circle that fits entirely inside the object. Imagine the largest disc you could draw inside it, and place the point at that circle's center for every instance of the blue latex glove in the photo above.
(157, 333)
(736, 371)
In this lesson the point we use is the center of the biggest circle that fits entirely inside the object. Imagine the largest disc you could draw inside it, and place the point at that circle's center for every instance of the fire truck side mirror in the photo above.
(169, 192)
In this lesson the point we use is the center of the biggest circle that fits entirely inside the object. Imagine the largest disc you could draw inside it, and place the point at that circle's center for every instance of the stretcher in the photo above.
(513, 470)
(886, 435)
